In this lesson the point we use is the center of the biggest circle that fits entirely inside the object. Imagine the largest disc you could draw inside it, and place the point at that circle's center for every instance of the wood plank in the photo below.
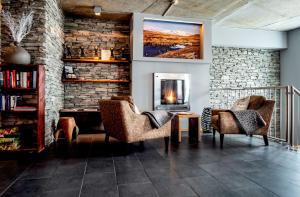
(95, 81)
(41, 108)
(87, 60)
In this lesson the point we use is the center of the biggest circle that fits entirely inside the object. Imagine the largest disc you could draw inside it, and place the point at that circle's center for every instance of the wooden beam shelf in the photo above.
(94, 81)
(87, 60)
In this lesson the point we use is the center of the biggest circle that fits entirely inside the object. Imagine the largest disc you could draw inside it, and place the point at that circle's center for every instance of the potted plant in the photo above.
(15, 54)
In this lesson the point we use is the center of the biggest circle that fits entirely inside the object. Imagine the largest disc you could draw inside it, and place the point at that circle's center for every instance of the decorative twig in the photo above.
(20, 28)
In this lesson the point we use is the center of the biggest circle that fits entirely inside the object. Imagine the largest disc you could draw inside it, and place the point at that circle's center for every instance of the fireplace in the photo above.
(172, 91)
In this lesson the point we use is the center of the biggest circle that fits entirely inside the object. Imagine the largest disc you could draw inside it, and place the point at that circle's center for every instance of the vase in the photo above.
(15, 54)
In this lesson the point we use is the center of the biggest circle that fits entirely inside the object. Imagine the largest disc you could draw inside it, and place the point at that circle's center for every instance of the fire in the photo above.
(170, 97)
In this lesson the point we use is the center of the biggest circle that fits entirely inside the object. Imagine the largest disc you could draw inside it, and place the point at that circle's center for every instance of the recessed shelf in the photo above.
(19, 90)
(83, 60)
(18, 67)
(95, 81)
(19, 111)
(22, 149)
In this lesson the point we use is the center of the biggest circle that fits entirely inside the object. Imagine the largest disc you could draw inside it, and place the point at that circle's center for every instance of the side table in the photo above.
(194, 127)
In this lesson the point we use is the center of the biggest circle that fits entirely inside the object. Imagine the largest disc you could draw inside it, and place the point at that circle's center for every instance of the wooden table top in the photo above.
(187, 115)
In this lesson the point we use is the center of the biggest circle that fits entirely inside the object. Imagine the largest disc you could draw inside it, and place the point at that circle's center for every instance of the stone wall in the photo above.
(239, 68)
(53, 50)
(44, 43)
(89, 33)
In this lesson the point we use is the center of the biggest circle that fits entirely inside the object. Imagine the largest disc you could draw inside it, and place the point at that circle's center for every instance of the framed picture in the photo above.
(171, 39)
(69, 72)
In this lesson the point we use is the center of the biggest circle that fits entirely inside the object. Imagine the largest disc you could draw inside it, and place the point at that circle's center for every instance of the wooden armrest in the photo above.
(228, 123)
(217, 111)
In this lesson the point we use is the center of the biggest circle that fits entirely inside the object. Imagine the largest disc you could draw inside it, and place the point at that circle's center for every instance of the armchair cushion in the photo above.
(241, 104)
(256, 102)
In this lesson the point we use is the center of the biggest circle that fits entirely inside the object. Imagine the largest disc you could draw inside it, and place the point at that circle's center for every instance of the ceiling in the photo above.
(280, 15)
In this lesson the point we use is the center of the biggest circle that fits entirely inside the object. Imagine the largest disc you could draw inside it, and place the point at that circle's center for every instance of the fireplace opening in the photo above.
(172, 91)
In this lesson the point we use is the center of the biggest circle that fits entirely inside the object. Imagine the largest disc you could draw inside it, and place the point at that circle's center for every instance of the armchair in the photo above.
(127, 126)
(224, 122)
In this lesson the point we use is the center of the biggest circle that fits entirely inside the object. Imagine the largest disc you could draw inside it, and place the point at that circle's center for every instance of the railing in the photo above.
(285, 122)
(294, 134)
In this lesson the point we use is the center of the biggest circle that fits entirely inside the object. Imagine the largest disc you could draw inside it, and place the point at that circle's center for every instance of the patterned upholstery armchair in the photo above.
(122, 123)
(225, 123)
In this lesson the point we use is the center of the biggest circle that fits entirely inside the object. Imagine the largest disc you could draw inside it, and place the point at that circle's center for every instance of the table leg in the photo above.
(175, 135)
(193, 129)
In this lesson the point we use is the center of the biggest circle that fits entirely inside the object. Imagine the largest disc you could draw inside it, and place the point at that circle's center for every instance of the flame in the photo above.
(170, 96)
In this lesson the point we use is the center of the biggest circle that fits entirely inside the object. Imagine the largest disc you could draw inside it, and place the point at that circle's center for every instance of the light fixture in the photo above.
(97, 10)
(175, 2)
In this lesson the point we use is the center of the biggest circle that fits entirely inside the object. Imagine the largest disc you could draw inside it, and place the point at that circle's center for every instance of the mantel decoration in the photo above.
(15, 54)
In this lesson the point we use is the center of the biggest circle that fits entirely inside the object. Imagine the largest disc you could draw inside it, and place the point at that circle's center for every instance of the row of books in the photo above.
(17, 79)
(10, 103)
(9, 139)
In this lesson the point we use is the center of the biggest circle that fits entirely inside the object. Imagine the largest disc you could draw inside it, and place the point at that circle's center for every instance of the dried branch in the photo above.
(20, 28)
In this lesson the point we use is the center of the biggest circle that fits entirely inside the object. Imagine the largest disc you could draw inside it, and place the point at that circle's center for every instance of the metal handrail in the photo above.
(252, 88)
(294, 91)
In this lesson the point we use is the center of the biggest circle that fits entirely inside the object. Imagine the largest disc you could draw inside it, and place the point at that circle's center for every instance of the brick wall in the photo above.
(88, 33)
(240, 67)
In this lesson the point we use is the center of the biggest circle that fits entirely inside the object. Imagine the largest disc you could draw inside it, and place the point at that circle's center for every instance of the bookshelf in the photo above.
(22, 107)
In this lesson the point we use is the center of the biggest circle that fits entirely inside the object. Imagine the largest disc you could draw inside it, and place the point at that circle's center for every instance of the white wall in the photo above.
(143, 68)
(290, 70)
(248, 38)
(142, 82)
(290, 60)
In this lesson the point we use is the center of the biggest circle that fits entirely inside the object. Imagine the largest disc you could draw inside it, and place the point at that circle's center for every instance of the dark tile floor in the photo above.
(245, 167)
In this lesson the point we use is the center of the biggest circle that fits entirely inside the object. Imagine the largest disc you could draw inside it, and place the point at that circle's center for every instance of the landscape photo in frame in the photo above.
(171, 39)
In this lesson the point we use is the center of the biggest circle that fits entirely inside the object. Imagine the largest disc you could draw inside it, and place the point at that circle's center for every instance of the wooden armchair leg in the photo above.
(107, 138)
(266, 140)
(214, 132)
(142, 147)
(221, 140)
(167, 139)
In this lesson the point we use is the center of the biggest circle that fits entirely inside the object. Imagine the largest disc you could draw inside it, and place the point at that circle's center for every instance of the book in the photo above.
(7, 79)
(90, 109)
(28, 83)
(13, 79)
(18, 79)
(24, 108)
(4, 79)
(34, 81)
(1, 79)
(3, 103)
